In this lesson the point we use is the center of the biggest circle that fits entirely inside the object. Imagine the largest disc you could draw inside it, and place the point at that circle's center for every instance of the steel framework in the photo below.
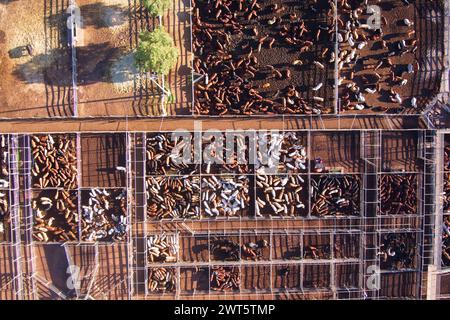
(368, 228)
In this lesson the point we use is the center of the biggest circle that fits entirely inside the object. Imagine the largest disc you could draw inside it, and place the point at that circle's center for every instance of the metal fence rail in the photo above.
(369, 225)
(73, 18)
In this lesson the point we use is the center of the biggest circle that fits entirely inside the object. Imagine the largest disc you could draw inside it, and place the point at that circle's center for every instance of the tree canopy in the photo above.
(157, 7)
(156, 52)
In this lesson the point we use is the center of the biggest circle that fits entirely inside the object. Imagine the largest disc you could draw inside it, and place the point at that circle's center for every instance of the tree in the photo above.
(157, 7)
(156, 52)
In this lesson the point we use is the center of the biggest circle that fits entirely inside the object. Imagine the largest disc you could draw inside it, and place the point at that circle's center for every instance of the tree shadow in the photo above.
(58, 266)
(52, 69)
(100, 15)
(97, 15)
(55, 18)
(95, 63)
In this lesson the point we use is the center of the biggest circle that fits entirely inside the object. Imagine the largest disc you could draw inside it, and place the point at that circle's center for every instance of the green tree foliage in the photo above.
(157, 7)
(156, 52)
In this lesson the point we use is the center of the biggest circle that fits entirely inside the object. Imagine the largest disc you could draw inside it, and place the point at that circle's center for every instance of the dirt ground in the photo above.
(445, 171)
(100, 156)
(338, 150)
(391, 289)
(257, 280)
(102, 62)
(108, 282)
(109, 84)
(37, 85)
(6, 273)
(40, 85)
(313, 276)
(341, 152)
(347, 275)
(399, 151)
(111, 281)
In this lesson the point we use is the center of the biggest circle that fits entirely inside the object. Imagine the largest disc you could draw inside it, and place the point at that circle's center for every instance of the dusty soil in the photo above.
(105, 68)
(40, 85)
(36, 85)
(171, 124)
(399, 151)
(338, 150)
(109, 83)
(100, 156)
(6, 273)
(390, 287)
(445, 261)
(110, 281)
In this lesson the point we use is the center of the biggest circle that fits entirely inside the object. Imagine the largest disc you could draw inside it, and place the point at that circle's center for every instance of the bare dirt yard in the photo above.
(109, 83)
(36, 60)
